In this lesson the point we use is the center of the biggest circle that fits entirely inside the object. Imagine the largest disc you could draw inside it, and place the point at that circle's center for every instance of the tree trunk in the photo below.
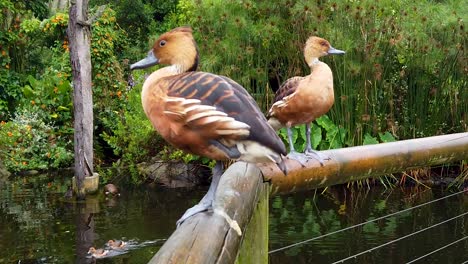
(80, 56)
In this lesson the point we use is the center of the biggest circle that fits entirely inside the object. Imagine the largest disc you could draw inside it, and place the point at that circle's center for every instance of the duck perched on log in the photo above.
(300, 100)
(203, 113)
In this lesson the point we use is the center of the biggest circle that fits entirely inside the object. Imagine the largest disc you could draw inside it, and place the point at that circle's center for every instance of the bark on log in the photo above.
(356, 163)
(80, 55)
(207, 237)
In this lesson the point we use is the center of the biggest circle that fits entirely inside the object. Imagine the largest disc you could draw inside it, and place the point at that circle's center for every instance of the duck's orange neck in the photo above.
(312, 62)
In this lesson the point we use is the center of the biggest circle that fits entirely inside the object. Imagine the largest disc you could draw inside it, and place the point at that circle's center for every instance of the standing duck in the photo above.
(203, 113)
(300, 100)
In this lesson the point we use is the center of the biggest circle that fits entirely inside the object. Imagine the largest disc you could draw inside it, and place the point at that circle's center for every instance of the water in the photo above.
(299, 217)
(38, 225)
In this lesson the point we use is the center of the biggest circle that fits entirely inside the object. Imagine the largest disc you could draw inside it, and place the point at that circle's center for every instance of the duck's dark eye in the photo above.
(162, 43)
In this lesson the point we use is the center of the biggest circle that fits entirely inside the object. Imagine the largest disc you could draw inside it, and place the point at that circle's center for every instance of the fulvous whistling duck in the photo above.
(97, 252)
(203, 113)
(300, 100)
(111, 189)
(116, 244)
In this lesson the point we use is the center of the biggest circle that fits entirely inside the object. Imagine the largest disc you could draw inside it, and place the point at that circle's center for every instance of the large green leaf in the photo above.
(369, 140)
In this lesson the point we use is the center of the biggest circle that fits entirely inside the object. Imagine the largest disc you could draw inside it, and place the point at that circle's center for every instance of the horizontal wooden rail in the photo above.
(208, 237)
(356, 163)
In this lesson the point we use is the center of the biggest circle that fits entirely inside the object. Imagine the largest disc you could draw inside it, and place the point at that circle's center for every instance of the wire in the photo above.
(432, 252)
(400, 238)
(361, 224)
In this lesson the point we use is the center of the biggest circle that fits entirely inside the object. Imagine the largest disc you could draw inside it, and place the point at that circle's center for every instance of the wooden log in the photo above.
(357, 163)
(254, 246)
(207, 237)
(80, 56)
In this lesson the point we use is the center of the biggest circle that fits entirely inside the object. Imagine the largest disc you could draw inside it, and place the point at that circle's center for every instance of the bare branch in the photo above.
(91, 20)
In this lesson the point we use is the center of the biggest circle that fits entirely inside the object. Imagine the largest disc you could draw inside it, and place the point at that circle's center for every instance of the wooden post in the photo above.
(80, 56)
(207, 237)
(254, 246)
(357, 163)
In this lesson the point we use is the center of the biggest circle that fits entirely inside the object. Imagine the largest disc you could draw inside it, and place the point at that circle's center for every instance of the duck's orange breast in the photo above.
(313, 96)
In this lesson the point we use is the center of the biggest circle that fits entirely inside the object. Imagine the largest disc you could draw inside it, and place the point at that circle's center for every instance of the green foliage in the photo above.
(134, 139)
(397, 75)
(27, 142)
(324, 135)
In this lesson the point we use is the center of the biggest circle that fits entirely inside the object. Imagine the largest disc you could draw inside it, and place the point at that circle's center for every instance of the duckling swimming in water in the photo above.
(116, 244)
(97, 252)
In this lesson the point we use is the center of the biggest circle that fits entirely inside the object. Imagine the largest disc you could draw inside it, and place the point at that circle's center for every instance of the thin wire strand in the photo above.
(439, 249)
(400, 238)
(361, 224)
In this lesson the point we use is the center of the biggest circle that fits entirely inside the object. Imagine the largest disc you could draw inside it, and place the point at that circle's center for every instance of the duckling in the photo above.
(202, 113)
(116, 244)
(97, 253)
(300, 100)
(111, 189)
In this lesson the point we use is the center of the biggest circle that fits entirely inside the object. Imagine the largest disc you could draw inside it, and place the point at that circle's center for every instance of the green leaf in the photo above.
(326, 123)
(28, 91)
(63, 108)
(369, 140)
(32, 81)
(386, 137)
(316, 135)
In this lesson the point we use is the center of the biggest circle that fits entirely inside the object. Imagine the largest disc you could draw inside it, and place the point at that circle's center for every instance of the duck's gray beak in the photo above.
(149, 61)
(333, 51)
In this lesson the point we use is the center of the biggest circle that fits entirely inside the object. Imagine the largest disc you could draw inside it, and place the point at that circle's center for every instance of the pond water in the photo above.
(38, 225)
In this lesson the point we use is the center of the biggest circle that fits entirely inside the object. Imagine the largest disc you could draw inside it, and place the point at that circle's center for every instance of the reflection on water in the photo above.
(38, 225)
(299, 217)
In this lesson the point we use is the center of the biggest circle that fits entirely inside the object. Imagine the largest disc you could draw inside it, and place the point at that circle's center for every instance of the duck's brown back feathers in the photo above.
(200, 107)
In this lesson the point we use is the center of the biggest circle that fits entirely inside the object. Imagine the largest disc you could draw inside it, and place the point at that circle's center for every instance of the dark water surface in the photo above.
(38, 225)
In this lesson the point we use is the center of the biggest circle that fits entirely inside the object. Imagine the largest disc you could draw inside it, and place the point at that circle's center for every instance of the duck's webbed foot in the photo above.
(206, 202)
(299, 157)
(309, 152)
(198, 208)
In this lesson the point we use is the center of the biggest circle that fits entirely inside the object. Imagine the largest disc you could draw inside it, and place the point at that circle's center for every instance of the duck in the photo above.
(98, 252)
(116, 244)
(203, 113)
(302, 99)
(111, 189)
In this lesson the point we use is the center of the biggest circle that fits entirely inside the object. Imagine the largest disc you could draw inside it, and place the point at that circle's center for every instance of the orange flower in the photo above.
(3, 53)
(2, 123)
(33, 102)
(25, 163)
(10, 134)
(119, 93)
